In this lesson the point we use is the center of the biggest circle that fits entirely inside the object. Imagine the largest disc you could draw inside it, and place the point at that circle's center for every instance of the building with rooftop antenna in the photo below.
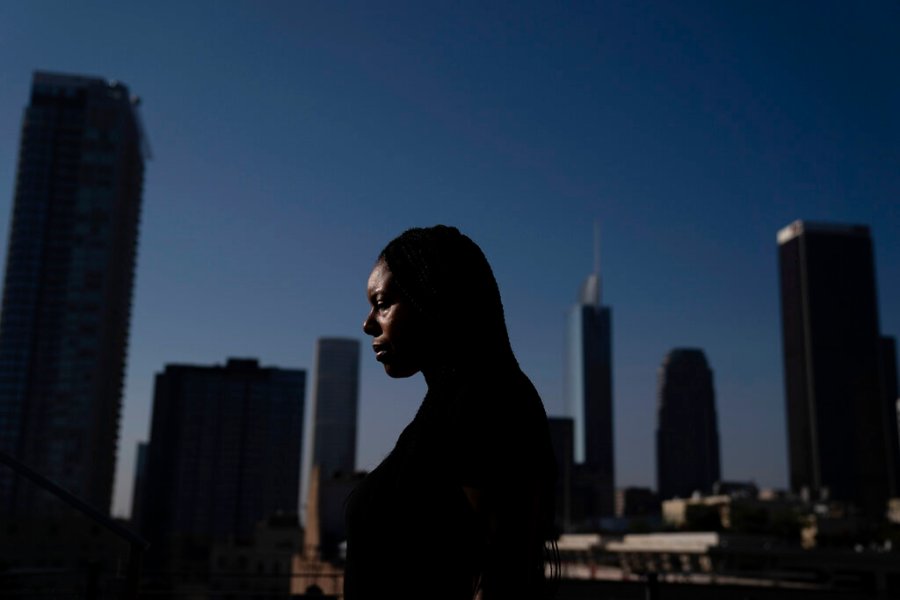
(588, 397)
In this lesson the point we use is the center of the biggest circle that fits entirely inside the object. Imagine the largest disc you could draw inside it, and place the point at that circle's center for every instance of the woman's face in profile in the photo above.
(392, 324)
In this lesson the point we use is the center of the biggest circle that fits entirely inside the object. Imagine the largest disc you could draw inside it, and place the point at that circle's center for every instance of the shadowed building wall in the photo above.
(837, 434)
(138, 490)
(687, 434)
(224, 453)
(889, 394)
(68, 285)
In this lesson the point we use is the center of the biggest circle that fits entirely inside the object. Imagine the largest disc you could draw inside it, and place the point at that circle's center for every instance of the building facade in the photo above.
(68, 287)
(687, 432)
(224, 453)
(138, 490)
(637, 502)
(336, 406)
(889, 397)
(838, 435)
(588, 396)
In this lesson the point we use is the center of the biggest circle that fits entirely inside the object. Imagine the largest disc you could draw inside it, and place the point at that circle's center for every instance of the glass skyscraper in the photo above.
(839, 434)
(68, 285)
(588, 397)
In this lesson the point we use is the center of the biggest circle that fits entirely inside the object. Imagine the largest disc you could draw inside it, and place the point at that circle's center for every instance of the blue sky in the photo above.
(292, 140)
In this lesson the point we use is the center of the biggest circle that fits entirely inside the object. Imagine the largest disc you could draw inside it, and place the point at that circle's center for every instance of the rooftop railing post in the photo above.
(651, 591)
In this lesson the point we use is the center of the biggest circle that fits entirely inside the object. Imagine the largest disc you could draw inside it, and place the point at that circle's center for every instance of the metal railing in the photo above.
(136, 544)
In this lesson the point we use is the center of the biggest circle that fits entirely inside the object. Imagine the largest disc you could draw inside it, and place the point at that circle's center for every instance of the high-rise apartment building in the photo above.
(687, 433)
(68, 285)
(224, 453)
(588, 395)
(838, 437)
(336, 406)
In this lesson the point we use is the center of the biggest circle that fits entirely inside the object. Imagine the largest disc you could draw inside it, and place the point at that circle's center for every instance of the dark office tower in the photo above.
(889, 395)
(224, 453)
(336, 405)
(837, 435)
(687, 435)
(67, 292)
(588, 390)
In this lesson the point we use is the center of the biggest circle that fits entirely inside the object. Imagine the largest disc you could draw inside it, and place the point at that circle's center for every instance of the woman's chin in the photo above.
(399, 371)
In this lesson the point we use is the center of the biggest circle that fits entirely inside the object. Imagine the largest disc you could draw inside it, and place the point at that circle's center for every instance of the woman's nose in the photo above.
(369, 325)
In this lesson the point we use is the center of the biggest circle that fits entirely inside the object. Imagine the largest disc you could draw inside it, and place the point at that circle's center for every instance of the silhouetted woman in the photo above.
(463, 504)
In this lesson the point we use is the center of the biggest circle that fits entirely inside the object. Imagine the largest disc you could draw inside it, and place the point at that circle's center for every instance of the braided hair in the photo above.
(447, 279)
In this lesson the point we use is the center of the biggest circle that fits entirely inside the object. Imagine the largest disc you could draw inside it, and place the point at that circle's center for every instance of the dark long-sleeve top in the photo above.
(411, 530)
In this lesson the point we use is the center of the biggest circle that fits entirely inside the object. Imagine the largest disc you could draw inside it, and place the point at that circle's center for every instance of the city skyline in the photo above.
(291, 142)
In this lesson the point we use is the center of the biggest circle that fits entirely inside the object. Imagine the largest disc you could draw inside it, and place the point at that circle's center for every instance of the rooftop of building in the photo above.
(800, 227)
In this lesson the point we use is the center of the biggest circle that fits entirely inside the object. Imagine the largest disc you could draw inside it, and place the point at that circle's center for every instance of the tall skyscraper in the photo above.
(588, 393)
(224, 453)
(687, 433)
(336, 406)
(837, 430)
(334, 430)
(67, 290)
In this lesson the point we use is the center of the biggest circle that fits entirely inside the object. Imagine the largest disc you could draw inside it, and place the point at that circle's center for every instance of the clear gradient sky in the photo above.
(292, 140)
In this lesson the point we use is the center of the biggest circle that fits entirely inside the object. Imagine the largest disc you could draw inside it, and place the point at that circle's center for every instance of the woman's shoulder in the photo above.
(507, 396)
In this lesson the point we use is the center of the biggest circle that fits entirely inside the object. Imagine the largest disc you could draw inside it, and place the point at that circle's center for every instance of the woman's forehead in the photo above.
(379, 278)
